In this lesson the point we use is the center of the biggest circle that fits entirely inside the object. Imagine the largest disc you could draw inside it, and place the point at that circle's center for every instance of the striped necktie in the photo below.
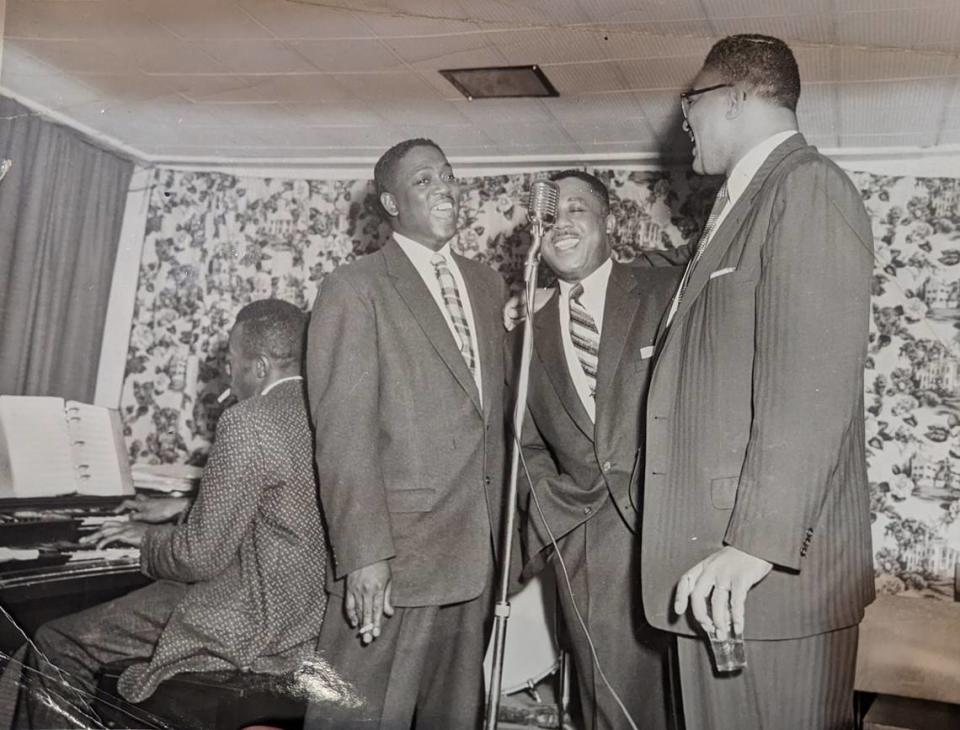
(585, 337)
(719, 204)
(454, 304)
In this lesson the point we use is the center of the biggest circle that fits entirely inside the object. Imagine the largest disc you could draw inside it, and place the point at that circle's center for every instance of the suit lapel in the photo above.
(619, 311)
(486, 309)
(549, 349)
(425, 311)
(730, 226)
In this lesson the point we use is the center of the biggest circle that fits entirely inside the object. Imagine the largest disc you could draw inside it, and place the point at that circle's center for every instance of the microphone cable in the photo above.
(563, 568)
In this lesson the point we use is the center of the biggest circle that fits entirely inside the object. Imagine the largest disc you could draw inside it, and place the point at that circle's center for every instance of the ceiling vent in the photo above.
(500, 82)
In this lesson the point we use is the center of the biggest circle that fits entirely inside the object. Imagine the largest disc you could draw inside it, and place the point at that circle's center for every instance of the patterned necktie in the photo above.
(585, 337)
(454, 305)
(719, 204)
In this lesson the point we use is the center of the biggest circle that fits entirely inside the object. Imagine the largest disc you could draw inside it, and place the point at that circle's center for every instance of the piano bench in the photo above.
(202, 700)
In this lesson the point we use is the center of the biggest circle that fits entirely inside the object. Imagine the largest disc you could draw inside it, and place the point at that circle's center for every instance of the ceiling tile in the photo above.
(593, 107)
(265, 89)
(438, 49)
(597, 77)
(54, 91)
(52, 19)
(165, 55)
(642, 11)
(257, 56)
(413, 17)
(529, 12)
(661, 73)
(791, 28)
(207, 20)
(817, 63)
(657, 40)
(340, 113)
(347, 55)
(765, 8)
(399, 85)
(859, 64)
(611, 130)
(493, 111)
(935, 27)
(518, 133)
(84, 56)
(305, 21)
(543, 46)
(427, 112)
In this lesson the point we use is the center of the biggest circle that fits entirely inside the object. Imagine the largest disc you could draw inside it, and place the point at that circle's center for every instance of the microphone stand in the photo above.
(501, 610)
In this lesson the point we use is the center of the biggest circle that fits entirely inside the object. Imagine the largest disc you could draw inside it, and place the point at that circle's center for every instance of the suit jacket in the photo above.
(754, 421)
(252, 549)
(410, 462)
(575, 464)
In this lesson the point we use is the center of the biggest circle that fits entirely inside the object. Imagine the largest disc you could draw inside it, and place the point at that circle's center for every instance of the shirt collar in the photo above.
(419, 254)
(275, 383)
(595, 281)
(743, 172)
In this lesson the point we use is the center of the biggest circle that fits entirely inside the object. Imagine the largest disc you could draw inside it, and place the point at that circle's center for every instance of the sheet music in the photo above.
(35, 432)
(94, 451)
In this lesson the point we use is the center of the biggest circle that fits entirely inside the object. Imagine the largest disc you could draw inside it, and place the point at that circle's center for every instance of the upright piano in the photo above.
(44, 571)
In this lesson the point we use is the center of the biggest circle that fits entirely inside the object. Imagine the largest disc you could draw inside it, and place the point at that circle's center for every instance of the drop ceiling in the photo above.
(315, 80)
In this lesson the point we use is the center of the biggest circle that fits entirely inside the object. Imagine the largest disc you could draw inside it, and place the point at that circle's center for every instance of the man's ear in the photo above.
(736, 99)
(261, 366)
(389, 203)
(611, 224)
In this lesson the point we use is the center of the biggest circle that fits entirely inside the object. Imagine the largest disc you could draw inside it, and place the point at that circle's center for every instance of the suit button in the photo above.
(486, 480)
(587, 510)
(607, 466)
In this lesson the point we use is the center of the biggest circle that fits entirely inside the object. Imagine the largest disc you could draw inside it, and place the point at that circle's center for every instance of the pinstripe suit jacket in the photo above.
(754, 423)
(409, 461)
(575, 464)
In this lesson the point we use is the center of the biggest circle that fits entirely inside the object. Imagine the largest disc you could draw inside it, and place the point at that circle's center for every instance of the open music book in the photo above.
(50, 447)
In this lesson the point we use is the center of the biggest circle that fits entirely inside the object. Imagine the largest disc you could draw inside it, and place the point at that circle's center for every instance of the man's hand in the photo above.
(515, 310)
(724, 578)
(125, 533)
(153, 509)
(367, 599)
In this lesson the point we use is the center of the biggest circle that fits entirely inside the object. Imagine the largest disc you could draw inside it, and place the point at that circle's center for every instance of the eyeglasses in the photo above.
(685, 96)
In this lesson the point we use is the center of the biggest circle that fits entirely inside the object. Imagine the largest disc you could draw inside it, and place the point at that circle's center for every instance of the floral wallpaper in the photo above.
(215, 242)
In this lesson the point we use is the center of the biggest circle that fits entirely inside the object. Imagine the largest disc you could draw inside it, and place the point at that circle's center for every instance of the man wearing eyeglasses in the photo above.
(755, 481)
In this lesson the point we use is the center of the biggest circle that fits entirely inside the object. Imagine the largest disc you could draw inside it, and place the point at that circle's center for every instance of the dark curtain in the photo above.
(61, 209)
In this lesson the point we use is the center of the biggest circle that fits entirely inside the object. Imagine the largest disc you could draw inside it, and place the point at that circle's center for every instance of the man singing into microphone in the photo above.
(408, 409)
(593, 347)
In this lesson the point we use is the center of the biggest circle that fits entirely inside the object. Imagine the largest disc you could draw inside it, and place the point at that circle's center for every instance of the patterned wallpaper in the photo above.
(214, 242)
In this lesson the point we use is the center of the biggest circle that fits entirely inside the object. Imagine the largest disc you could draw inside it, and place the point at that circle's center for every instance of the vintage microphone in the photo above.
(542, 205)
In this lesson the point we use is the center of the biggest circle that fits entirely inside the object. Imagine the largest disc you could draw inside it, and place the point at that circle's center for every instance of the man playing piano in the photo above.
(239, 582)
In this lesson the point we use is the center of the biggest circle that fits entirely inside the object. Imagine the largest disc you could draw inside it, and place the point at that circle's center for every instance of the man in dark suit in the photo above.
(409, 451)
(754, 478)
(594, 343)
(239, 582)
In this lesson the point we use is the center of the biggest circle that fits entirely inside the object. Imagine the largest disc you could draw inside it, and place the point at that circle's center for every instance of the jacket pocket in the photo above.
(411, 500)
(723, 492)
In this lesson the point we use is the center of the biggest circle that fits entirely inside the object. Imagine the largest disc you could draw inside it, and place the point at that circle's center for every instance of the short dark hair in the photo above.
(763, 62)
(274, 328)
(386, 167)
(595, 183)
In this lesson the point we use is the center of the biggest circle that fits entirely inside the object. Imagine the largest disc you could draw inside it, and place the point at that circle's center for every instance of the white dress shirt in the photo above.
(275, 383)
(593, 299)
(420, 257)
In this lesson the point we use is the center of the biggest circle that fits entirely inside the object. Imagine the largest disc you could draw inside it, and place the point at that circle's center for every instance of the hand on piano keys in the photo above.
(116, 532)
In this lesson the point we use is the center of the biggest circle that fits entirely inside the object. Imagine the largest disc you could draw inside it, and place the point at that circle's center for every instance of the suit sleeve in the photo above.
(201, 547)
(812, 304)
(343, 384)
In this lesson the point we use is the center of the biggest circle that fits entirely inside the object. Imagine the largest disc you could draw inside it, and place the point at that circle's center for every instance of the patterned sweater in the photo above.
(252, 550)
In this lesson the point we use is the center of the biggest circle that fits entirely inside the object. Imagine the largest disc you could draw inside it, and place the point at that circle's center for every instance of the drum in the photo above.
(531, 651)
